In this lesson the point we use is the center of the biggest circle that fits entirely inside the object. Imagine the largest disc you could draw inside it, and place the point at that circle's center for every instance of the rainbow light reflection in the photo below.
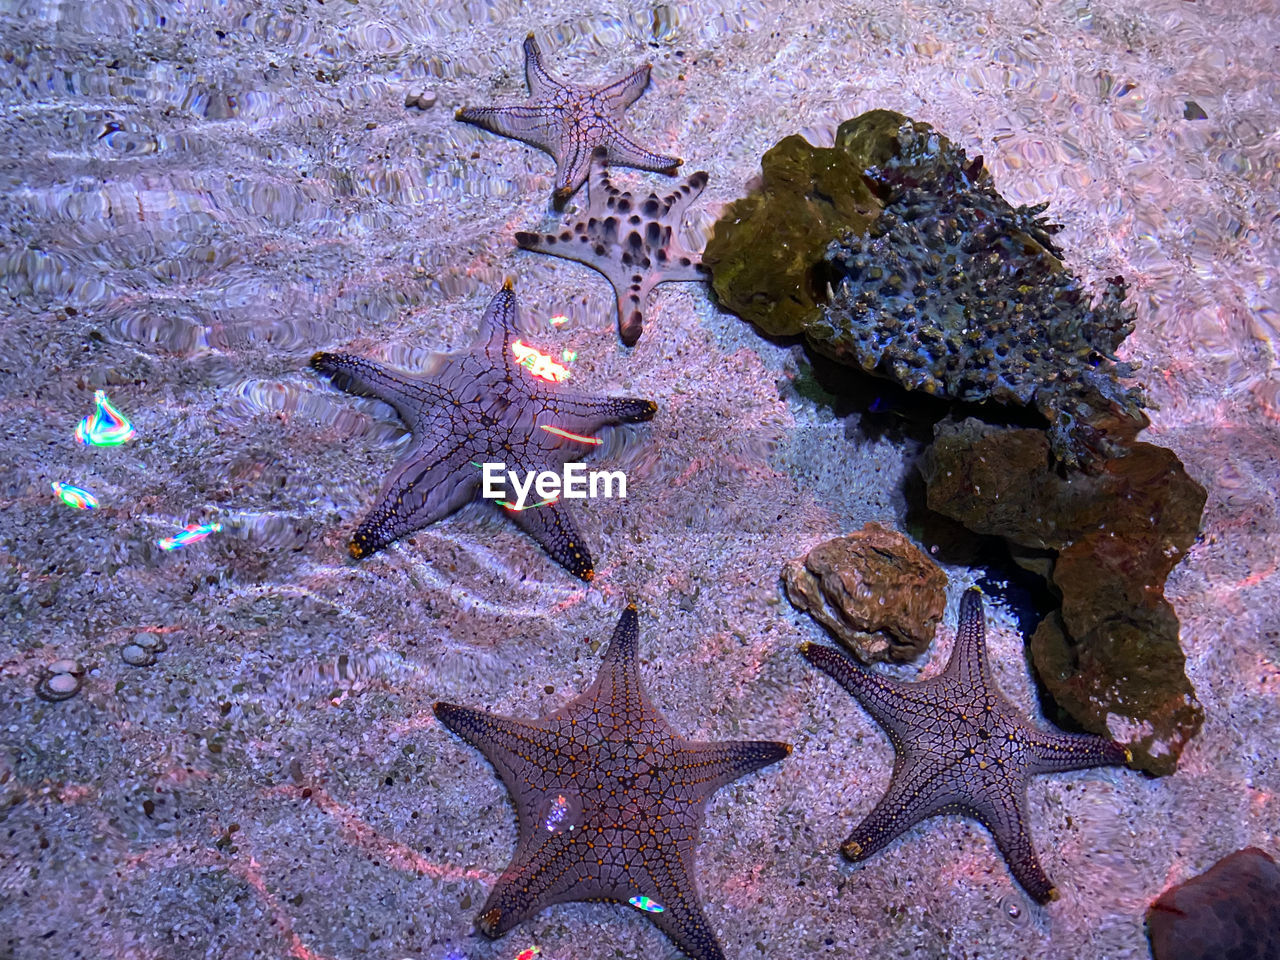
(192, 534)
(644, 903)
(528, 506)
(559, 809)
(529, 953)
(559, 320)
(74, 496)
(538, 363)
(106, 426)
(571, 436)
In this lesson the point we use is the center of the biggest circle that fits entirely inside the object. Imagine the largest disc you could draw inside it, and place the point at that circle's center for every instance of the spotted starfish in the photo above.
(568, 122)
(961, 747)
(476, 408)
(634, 243)
(609, 799)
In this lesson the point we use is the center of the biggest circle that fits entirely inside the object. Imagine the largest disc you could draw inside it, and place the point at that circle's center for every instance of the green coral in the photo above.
(767, 254)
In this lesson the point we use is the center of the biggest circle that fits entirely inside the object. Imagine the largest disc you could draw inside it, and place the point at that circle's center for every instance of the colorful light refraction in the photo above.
(644, 903)
(529, 953)
(106, 426)
(528, 506)
(559, 320)
(559, 810)
(571, 436)
(74, 496)
(192, 534)
(538, 363)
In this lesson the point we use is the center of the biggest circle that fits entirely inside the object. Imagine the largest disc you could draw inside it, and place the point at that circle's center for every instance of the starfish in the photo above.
(569, 121)
(961, 747)
(470, 409)
(609, 799)
(634, 243)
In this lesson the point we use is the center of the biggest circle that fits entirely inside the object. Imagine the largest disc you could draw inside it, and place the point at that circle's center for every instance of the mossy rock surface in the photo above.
(767, 252)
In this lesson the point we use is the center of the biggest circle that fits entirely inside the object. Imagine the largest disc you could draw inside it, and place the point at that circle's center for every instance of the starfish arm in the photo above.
(362, 377)
(546, 869)
(890, 702)
(679, 200)
(681, 918)
(541, 83)
(617, 684)
(573, 164)
(516, 748)
(432, 480)
(498, 327)
(599, 187)
(1003, 813)
(913, 795)
(586, 415)
(552, 527)
(706, 767)
(529, 124)
(968, 662)
(1058, 752)
(626, 152)
(625, 91)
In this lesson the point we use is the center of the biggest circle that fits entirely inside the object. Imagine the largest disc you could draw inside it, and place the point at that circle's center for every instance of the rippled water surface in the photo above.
(194, 198)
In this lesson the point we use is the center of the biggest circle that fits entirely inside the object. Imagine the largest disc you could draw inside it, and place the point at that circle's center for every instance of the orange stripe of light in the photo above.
(571, 436)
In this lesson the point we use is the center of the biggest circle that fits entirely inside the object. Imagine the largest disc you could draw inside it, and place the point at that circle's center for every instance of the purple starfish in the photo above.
(569, 122)
(473, 408)
(960, 747)
(609, 799)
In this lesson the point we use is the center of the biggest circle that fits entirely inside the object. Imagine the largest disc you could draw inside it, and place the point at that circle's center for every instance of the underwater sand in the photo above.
(194, 198)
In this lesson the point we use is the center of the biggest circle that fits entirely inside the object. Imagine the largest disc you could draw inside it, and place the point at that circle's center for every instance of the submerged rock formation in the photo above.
(875, 590)
(893, 253)
(1229, 912)
(1106, 543)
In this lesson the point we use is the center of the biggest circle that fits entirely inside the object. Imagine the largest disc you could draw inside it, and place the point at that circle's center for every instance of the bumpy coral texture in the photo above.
(954, 292)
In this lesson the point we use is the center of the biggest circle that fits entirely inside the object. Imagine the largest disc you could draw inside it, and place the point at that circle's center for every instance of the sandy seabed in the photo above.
(194, 198)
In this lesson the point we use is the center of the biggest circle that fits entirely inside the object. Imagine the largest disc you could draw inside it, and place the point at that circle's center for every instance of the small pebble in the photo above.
(137, 655)
(60, 686)
(423, 101)
(151, 641)
(66, 665)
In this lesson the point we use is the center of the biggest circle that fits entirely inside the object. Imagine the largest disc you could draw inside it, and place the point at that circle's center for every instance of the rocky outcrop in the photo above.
(875, 590)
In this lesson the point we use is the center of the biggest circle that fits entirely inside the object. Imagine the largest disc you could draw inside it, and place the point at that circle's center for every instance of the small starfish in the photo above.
(634, 243)
(960, 747)
(569, 121)
(609, 799)
(470, 409)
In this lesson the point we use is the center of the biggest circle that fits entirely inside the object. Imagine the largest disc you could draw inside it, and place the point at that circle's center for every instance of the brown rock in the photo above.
(874, 589)
(1229, 912)
(1110, 657)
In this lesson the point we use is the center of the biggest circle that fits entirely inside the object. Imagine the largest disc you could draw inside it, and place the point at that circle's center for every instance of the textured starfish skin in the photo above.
(568, 122)
(636, 791)
(634, 243)
(475, 408)
(960, 747)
